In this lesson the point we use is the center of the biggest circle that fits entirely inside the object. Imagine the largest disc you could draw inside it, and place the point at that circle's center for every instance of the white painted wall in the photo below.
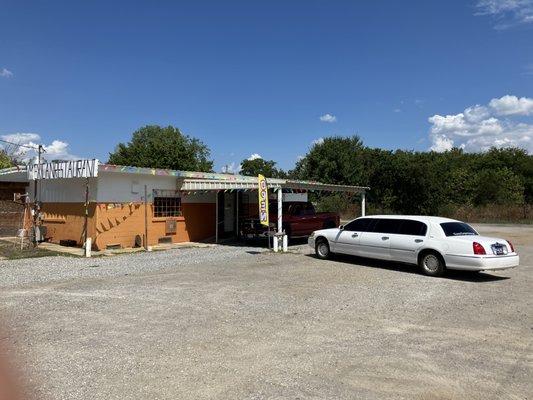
(64, 190)
(116, 187)
(113, 187)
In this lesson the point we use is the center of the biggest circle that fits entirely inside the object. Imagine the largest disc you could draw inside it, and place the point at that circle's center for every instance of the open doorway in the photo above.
(227, 214)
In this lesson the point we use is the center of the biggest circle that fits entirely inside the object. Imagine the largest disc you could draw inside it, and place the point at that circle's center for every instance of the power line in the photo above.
(20, 145)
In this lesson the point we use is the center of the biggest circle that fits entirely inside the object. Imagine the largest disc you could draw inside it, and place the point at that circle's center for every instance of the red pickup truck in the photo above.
(299, 220)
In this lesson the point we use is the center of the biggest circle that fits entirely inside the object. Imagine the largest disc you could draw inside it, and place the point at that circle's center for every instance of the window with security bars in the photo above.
(167, 206)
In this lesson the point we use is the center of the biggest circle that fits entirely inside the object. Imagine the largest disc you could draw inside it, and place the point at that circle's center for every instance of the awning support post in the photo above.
(363, 204)
(216, 216)
(280, 211)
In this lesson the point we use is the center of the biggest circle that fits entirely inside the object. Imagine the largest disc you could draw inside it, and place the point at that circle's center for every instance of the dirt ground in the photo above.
(237, 323)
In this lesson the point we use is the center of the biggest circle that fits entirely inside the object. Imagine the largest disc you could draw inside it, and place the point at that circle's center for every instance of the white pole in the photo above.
(88, 246)
(280, 210)
(216, 216)
(363, 204)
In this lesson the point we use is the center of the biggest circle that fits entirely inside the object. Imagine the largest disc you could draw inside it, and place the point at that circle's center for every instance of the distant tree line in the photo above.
(411, 182)
(405, 182)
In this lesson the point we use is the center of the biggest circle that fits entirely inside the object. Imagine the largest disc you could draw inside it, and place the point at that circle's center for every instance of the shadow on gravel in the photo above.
(466, 276)
(258, 242)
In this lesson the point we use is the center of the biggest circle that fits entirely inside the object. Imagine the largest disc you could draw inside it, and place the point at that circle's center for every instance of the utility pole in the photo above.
(36, 197)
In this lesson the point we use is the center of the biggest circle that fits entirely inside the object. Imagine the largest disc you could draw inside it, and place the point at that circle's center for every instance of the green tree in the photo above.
(163, 147)
(409, 182)
(5, 161)
(333, 160)
(259, 166)
(499, 186)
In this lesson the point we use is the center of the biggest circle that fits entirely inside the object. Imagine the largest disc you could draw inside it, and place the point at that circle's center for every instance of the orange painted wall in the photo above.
(65, 221)
(118, 225)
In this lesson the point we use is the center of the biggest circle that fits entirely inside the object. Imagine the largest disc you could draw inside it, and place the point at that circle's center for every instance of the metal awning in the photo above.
(191, 185)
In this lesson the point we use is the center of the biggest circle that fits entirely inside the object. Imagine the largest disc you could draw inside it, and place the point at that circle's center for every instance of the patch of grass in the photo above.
(12, 251)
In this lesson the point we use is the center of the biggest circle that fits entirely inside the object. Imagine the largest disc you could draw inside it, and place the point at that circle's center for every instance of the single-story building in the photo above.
(123, 206)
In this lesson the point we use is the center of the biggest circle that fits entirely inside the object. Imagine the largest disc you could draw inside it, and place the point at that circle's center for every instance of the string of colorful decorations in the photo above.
(196, 175)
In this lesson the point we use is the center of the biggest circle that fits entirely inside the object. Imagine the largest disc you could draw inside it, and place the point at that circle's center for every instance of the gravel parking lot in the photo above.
(240, 323)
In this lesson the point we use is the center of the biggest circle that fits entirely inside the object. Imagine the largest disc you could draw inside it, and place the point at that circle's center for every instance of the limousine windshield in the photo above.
(458, 229)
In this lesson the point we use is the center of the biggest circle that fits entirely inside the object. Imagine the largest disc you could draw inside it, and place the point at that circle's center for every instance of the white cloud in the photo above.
(5, 73)
(231, 168)
(254, 156)
(320, 140)
(441, 143)
(478, 128)
(57, 150)
(22, 138)
(506, 13)
(328, 118)
(512, 105)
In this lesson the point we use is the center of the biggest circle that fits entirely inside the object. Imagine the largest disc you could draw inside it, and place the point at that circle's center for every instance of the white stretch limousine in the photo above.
(433, 243)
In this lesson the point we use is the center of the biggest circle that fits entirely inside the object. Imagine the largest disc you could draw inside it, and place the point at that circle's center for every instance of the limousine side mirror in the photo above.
(341, 227)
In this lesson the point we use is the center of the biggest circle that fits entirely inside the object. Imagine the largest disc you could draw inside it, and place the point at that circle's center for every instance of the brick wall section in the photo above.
(11, 213)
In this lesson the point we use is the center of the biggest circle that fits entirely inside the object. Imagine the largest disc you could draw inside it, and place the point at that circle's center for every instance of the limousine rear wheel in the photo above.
(431, 263)
(322, 249)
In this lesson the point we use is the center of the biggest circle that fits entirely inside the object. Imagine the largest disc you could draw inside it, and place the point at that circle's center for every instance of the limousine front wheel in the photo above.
(322, 249)
(431, 263)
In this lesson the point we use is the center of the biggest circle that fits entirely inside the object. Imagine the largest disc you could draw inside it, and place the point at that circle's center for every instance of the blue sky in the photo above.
(250, 77)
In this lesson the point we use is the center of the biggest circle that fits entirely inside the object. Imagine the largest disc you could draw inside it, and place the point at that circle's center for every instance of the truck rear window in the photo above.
(457, 229)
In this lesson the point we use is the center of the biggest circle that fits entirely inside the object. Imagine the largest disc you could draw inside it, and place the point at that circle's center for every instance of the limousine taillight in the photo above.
(511, 246)
(478, 248)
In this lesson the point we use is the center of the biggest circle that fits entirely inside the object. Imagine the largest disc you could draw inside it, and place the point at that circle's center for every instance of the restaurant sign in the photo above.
(64, 170)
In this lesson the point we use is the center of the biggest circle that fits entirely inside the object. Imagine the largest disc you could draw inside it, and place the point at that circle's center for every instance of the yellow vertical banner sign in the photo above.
(263, 200)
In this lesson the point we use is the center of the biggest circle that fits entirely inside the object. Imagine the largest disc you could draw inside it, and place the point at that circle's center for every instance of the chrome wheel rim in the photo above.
(431, 263)
(323, 249)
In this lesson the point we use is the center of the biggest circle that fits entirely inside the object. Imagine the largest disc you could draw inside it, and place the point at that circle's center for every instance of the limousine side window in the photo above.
(410, 227)
(386, 226)
(359, 225)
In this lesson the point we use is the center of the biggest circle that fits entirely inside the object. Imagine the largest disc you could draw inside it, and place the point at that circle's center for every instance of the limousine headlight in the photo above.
(312, 234)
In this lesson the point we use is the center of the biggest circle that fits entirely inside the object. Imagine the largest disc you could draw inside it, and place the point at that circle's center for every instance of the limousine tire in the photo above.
(431, 263)
(322, 249)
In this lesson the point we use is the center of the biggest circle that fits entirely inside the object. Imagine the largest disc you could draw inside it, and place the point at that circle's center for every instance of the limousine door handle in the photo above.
(384, 238)
(418, 240)
(355, 235)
